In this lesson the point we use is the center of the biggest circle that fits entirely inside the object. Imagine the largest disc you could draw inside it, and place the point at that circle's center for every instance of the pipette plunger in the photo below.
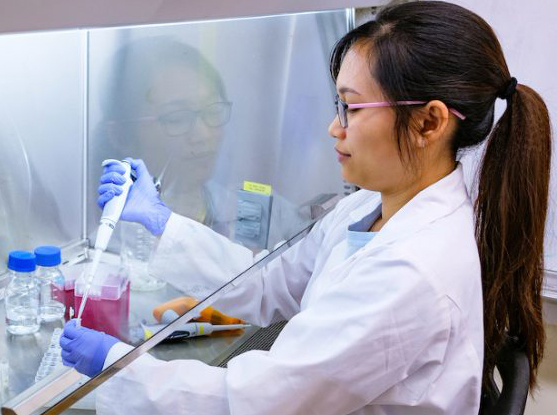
(111, 214)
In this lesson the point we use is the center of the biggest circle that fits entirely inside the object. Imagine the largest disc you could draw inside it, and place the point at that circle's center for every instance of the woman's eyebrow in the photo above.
(345, 89)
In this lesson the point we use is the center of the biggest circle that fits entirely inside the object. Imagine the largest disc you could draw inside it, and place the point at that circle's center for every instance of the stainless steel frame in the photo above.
(85, 130)
(41, 392)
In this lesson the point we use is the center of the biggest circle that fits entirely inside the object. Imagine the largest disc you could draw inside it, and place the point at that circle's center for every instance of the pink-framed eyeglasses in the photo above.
(342, 108)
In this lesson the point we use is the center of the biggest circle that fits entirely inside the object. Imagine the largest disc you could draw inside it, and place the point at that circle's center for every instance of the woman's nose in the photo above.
(336, 130)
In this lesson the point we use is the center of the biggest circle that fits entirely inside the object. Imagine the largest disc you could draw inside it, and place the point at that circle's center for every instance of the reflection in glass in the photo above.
(167, 104)
(180, 122)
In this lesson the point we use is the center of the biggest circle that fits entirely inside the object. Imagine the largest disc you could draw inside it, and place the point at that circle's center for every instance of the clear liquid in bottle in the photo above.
(51, 282)
(22, 294)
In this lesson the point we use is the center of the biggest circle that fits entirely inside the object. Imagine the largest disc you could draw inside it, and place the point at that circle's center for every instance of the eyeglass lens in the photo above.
(341, 112)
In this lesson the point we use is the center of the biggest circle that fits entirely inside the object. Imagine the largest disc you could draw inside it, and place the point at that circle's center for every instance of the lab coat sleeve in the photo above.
(382, 327)
(199, 261)
(195, 259)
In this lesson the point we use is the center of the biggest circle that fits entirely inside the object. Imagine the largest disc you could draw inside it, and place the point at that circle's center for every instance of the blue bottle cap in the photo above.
(48, 256)
(21, 261)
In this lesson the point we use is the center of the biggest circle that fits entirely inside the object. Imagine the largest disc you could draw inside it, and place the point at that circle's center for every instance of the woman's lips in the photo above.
(342, 157)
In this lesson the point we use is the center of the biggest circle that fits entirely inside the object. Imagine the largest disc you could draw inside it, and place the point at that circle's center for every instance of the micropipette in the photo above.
(110, 216)
(189, 330)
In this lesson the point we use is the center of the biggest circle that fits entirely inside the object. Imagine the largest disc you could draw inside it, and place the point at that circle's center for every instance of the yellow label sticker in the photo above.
(262, 189)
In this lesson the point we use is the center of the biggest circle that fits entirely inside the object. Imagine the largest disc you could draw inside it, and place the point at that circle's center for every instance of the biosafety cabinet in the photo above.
(227, 105)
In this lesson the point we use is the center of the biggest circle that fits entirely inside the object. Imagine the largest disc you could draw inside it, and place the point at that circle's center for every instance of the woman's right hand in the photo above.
(143, 204)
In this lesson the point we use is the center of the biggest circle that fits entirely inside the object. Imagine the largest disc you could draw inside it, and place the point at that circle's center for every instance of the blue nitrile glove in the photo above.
(143, 205)
(85, 349)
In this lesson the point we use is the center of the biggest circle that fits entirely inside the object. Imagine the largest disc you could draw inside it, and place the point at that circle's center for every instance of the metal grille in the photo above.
(262, 339)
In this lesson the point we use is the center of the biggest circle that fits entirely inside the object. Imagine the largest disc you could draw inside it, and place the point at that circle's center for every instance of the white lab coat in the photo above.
(396, 328)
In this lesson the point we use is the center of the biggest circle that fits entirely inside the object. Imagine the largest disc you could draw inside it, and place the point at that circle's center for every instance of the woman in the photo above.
(384, 296)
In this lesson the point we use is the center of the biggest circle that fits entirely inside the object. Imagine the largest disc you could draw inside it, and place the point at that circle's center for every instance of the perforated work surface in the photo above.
(262, 339)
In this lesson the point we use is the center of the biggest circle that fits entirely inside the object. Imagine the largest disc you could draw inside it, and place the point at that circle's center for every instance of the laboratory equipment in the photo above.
(253, 215)
(69, 296)
(22, 294)
(144, 205)
(111, 214)
(171, 310)
(51, 283)
(137, 247)
(113, 209)
(52, 358)
(169, 316)
(189, 330)
(108, 303)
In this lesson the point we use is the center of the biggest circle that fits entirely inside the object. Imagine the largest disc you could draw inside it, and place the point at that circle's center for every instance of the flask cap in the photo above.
(48, 256)
(21, 261)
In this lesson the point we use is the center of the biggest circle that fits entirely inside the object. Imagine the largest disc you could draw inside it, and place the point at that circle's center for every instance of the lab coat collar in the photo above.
(436, 201)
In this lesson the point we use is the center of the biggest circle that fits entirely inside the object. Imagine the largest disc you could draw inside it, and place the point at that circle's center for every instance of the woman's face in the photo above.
(367, 148)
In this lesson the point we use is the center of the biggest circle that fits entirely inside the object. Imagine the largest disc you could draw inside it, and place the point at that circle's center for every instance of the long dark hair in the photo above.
(436, 50)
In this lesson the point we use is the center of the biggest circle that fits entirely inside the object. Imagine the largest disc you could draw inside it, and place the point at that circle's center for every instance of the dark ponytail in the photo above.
(510, 210)
(432, 50)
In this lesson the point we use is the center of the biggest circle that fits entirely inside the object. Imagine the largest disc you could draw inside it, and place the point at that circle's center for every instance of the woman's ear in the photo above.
(431, 123)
